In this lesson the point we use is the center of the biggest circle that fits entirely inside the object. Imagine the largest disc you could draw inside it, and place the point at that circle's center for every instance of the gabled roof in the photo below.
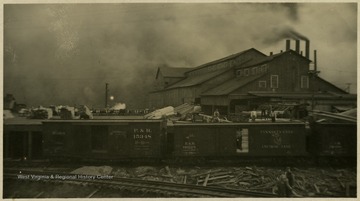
(224, 59)
(321, 79)
(174, 72)
(231, 85)
(259, 61)
(197, 79)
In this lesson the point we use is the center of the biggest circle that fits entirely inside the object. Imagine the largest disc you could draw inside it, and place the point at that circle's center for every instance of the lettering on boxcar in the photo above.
(275, 139)
(189, 147)
(58, 133)
(142, 130)
(142, 139)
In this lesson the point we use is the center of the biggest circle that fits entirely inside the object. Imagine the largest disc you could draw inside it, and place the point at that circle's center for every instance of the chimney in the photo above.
(297, 46)
(307, 49)
(315, 61)
(287, 44)
(271, 53)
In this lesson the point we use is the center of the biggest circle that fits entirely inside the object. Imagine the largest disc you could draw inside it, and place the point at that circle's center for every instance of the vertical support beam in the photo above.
(307, 49)
(212, 109)
(297, 46)
(228, 107)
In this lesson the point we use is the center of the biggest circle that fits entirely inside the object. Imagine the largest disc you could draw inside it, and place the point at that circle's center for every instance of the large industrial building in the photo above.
(250, 79)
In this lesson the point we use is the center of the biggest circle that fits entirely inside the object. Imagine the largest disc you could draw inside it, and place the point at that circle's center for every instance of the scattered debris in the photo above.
(309, 182)
(93, 170)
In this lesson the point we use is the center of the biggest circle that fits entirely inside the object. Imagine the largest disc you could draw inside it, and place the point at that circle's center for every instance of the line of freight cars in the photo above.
(117, 140)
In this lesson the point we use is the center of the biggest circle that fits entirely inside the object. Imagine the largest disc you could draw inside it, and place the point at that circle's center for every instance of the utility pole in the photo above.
(106, 94)
(313, 74)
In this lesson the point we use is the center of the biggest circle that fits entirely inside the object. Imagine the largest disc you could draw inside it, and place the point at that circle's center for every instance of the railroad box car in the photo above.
(333, 139)
(238, 139)
(103, 139)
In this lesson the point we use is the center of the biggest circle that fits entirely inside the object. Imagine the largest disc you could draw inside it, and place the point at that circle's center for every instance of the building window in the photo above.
(262, 84)
(304, 82)
(274, 81)
(258, 70)
(239, 73)
(246, 72)
(253, 71)
(264, 68)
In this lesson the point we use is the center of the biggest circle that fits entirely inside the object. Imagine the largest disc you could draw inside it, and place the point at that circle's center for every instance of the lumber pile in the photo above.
(85, 113)
(160, 113)
(41, 113)
(67, 112)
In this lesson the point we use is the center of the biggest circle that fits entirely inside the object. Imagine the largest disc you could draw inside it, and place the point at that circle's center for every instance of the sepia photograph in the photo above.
(180, 100)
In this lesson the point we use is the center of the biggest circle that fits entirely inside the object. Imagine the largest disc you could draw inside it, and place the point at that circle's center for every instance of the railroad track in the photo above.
(160, 188)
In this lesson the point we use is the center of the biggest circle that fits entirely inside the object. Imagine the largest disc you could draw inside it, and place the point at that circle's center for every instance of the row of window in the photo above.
(274, 82)
(252, 71)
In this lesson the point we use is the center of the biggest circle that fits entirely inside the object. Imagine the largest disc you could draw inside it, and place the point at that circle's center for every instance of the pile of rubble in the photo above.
(93, 170)
(309, 182)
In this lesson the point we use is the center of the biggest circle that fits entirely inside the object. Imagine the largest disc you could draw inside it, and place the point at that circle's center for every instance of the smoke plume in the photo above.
(65, 53)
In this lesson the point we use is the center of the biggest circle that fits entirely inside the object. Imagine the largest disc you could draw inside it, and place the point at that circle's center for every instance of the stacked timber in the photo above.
(41, 113)
(85, 112)
(160, 113)
(67, 112)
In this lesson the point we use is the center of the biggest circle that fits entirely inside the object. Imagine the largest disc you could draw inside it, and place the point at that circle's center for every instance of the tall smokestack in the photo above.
(287, 44)
(315, 61)
(307, 49)
(297, 46)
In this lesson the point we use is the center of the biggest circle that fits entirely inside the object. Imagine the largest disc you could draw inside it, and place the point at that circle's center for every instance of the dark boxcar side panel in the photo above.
(335, 139)
(277, 140)
(80, 140)
(56, 137)
(253, 139)
(119, 136)
(102, 139)
(190, 140)
(145, 139)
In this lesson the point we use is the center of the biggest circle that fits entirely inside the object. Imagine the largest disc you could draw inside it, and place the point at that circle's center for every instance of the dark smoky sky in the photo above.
(65, 53)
